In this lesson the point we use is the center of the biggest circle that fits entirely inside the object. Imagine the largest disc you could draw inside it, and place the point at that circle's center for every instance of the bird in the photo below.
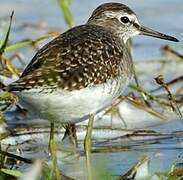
(83, 70)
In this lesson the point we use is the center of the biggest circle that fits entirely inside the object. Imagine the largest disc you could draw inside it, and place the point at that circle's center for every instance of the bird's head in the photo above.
(123, 22)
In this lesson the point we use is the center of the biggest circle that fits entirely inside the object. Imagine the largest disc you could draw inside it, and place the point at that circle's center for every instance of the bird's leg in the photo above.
(87, 144)
(55, 172)
(70, 131)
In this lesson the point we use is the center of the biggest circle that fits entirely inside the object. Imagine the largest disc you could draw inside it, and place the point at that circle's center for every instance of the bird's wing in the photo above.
(79, 57)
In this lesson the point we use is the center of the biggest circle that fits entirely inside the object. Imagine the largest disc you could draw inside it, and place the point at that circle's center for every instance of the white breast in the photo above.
(71, 106)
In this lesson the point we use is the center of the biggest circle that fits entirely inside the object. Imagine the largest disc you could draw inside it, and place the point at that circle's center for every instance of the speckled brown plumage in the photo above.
(81, 57)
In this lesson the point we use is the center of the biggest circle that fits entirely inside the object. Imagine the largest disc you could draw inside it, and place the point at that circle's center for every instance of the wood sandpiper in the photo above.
(84, 70)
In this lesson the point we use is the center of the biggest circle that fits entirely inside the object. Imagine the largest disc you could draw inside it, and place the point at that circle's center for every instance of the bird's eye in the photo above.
(125, 19)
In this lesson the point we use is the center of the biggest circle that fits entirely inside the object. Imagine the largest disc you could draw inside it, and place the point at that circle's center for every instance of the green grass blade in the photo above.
(64, 6)
(5, 41)
(23, 44)
(11, 172)
(18, 45)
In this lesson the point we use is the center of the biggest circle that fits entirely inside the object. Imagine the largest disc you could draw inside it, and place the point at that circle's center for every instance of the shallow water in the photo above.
(164, 17)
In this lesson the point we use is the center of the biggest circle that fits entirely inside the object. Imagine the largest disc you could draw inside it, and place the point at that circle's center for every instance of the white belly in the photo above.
(71, 106)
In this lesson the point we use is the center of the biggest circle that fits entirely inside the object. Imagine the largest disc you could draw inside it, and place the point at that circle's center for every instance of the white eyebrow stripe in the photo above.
(118, 15)
(110, 14)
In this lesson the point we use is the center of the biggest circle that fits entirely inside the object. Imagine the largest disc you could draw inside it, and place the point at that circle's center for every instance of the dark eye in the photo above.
(125, 19)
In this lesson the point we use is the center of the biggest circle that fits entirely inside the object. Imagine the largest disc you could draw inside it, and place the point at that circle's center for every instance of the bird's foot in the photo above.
(70, 132)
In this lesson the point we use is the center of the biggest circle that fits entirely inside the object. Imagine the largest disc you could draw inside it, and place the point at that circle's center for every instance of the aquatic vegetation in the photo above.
(65, 10)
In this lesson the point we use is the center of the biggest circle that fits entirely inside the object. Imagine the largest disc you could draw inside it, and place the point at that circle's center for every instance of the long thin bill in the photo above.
(149, 32)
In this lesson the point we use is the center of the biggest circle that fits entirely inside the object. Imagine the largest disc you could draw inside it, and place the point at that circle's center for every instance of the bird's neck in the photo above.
(110, 27)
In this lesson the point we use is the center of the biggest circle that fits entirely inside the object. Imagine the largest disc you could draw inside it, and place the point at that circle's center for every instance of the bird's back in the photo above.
(83, 56)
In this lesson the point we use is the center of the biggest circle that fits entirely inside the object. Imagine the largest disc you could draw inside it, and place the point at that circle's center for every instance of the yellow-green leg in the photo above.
(55, 172)
(87, 145)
